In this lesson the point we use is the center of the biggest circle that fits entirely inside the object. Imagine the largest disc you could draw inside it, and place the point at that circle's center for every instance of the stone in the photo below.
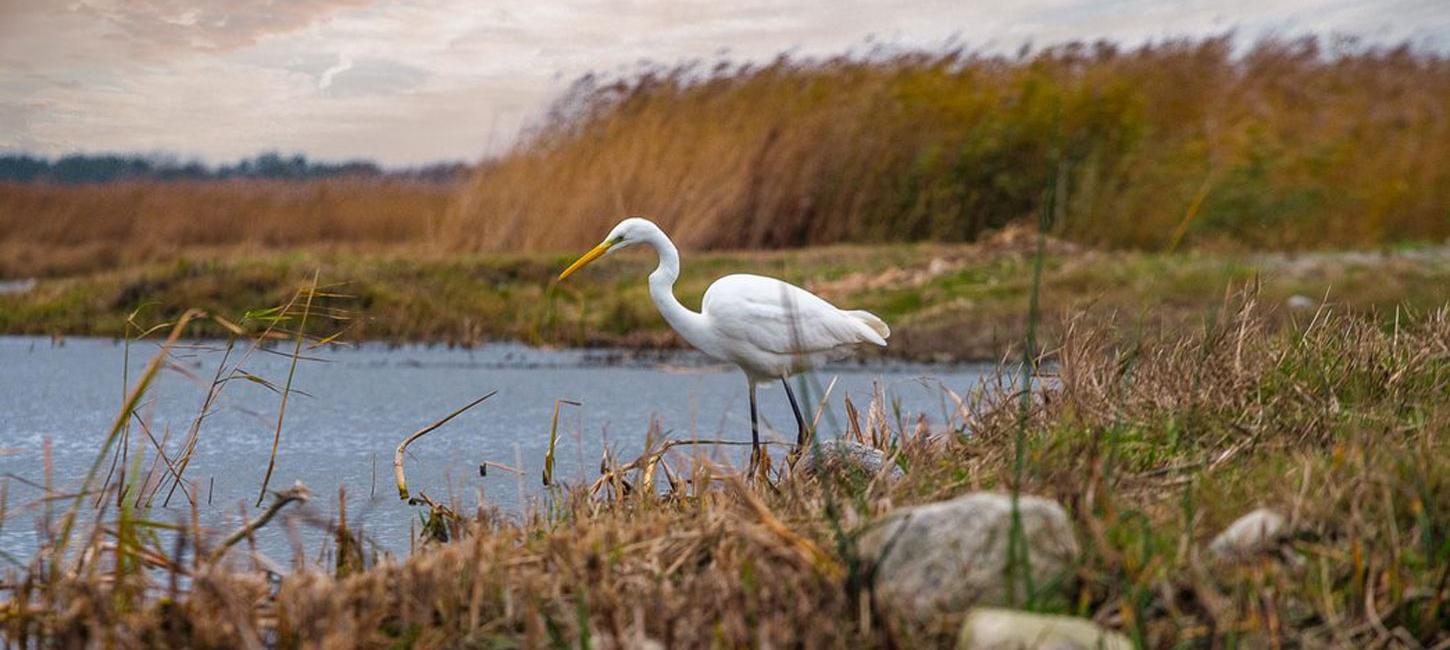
(1299, 302)
(606, 641)
(1258, 532)
(840, 455)
(945, 557)
(17, 287)
(1006, 629)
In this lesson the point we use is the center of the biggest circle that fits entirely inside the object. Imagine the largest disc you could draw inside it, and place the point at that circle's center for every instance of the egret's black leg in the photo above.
(754, 432)
(800, 422)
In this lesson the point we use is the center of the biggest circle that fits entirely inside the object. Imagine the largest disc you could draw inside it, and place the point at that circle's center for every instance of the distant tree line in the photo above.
(107, 168)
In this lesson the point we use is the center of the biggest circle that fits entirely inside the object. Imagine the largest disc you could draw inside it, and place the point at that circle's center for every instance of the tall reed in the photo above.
(1284, 144)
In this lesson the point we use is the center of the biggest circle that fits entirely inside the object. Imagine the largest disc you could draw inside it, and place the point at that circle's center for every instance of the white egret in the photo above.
(769, 328)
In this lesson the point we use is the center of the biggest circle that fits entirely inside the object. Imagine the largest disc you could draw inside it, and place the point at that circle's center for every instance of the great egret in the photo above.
(769, 328)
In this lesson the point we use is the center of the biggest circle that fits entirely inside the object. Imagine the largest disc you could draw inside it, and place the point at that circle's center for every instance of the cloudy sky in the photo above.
(413, 82)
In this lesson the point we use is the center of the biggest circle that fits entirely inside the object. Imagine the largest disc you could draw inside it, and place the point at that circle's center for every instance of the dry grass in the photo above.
(1286, 145)
(1153, 447)
(1289, 145)
(50, 230)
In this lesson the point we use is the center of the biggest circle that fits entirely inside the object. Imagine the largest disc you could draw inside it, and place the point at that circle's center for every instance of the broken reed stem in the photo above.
(398, 477)
(194, 434)
(287, 388)
(297, 493)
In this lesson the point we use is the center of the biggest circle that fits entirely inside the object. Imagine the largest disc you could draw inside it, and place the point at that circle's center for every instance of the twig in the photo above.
(297, 493)
(398, 477)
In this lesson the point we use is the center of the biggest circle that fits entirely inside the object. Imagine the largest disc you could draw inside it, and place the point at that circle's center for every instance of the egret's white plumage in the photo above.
(773, 329)
(769, 328)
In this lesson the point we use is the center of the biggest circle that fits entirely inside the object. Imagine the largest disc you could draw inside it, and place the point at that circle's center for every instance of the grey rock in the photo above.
(841, 455)
(1006, 629)
(948, 556)
(1258, 532)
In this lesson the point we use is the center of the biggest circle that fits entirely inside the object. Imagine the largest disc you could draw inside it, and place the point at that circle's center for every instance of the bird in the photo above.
(769, 328)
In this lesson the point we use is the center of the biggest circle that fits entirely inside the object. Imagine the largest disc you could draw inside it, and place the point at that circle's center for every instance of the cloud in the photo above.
(344, 63)
(445, 79)
(216, 25)
(17, 118)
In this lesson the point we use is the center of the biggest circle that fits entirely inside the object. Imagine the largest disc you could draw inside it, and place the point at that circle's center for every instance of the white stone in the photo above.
(17, 287)
(948, 556)
(1254, 533)
(1006, 629)
(1299, 302)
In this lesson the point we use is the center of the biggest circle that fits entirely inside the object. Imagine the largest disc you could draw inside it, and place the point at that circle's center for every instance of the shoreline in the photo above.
(587, 357)
(957, 303)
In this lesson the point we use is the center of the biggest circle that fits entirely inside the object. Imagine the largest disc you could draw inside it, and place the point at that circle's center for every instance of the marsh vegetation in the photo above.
(1152, 447)
(1231, 296)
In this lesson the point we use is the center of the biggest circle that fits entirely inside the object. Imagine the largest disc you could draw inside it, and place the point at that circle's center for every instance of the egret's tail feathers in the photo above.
(874, 322)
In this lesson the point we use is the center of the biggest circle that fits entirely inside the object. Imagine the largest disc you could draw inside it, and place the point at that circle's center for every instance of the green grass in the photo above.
(958, 301)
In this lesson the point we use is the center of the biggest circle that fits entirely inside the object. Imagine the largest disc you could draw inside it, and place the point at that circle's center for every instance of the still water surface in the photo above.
(360, 402)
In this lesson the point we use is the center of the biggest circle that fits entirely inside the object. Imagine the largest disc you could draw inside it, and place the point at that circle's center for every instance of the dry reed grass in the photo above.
(62, 229)
(1289, 144)
(1152, 446)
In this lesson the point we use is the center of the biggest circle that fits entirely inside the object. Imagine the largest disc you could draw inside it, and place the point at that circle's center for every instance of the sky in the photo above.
(409, 83)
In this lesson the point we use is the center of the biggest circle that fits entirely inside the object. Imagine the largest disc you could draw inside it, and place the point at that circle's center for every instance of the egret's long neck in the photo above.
(690, 324)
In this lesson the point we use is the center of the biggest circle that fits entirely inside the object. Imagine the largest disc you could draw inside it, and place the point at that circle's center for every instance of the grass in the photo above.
(1186, 389)
(55, 230)
(1152, 445)
(1199, 144)
(1283, 144)
(959, 301)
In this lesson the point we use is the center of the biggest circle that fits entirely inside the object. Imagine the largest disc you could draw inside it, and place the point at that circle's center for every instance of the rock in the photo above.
(599, 640)
(1299, 302)
(839, 455)
(1255, 533)
(948, 556)
(17, 287)
(1006, 629)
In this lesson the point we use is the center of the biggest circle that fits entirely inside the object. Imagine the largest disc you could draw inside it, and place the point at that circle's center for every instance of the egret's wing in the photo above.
(782, 318)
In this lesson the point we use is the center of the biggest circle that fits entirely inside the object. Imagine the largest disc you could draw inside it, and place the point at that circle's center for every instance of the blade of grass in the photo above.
(143, 382)
(287, 388)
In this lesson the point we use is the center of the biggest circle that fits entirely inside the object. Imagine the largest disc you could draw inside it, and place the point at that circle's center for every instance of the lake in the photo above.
(354, 405)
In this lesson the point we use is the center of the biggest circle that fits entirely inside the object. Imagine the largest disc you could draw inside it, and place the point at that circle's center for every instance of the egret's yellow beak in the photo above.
(593, 254)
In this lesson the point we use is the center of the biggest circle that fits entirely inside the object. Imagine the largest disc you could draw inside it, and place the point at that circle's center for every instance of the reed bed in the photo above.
(1280, 144)
(1208, 143)
(1152, 446)
(48, 230)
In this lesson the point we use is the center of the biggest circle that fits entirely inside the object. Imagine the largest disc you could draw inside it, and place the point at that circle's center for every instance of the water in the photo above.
(361, 402)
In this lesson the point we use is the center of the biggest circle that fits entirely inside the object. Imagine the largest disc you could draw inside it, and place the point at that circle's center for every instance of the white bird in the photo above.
(769, 328)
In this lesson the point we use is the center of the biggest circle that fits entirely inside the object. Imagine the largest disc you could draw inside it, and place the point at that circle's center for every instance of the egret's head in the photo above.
(631, 231)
